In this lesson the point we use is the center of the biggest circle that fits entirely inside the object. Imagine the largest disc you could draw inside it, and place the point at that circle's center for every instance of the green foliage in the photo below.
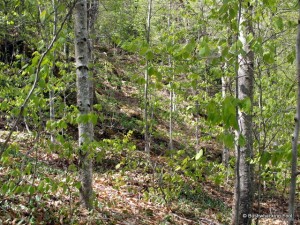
(193, 45)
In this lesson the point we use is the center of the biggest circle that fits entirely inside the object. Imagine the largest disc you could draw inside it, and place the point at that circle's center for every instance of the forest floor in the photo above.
(122, 196)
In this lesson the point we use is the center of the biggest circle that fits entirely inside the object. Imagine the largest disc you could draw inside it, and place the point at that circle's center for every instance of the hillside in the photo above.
(130, 187)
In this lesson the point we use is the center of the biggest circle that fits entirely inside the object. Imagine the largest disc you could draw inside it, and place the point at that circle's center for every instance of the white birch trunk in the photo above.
(146, 87)
(243, 194)
(85, 129)
(51, 92)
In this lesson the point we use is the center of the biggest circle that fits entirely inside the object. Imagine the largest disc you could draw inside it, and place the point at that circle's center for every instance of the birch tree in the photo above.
(243, 194)
(51, 92)
(85, 128)
(146, 87)
(171, 146)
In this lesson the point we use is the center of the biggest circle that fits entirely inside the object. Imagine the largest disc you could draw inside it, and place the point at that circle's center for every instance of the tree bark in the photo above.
(243, 194)
(85, 128)
(296, 134)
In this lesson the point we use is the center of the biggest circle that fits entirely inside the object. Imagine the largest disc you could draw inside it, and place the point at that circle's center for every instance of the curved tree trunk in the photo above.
(85, 128)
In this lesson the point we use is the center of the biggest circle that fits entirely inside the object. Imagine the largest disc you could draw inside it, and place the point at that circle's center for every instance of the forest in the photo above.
(139, 112)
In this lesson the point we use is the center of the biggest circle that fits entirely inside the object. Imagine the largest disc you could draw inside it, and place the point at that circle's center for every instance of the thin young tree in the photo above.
(84, 104)
(296, 134)
(51, 92)
(171, 109)
(225, 91)
(243, 193)
(146, 87)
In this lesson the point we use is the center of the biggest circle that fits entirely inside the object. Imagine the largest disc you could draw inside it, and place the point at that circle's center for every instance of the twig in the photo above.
(187, 220)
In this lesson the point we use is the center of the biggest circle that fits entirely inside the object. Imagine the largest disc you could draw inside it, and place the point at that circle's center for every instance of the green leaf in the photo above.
(77, 185)
(246, 105)
(5, 188)
(186, 50)
(35, 60)
(61, 124)
(275, 159)
(151, 70)
(43, 16)
(190, 46)
(149, 55)
(31, 189)
(83, 118)
(213, 112)
(193, 76)
(204, 51)
(232, 13)
(228, 140)
(98, 107)
(199, 154)
(268, 57)
(42, 83)
(139, 79)
(266, 156)
(93, 118)
(18, 190)
(41, 187)
(278, 23)
(291, 57)
(178, 168)
(229, 112)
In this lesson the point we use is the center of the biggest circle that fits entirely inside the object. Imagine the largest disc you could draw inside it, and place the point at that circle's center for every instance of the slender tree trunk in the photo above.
(146, 87)
(197, 134)
(225, 91)
(67, 60)
(171, 146)
(51, 92)
(243, 200)
(93, 6)
(296, 134)
(85, 128)
(225, 153)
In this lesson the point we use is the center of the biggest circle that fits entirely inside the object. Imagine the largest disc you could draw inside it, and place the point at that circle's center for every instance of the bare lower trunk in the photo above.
(146, 99)
(85, 128)
(171, 121)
